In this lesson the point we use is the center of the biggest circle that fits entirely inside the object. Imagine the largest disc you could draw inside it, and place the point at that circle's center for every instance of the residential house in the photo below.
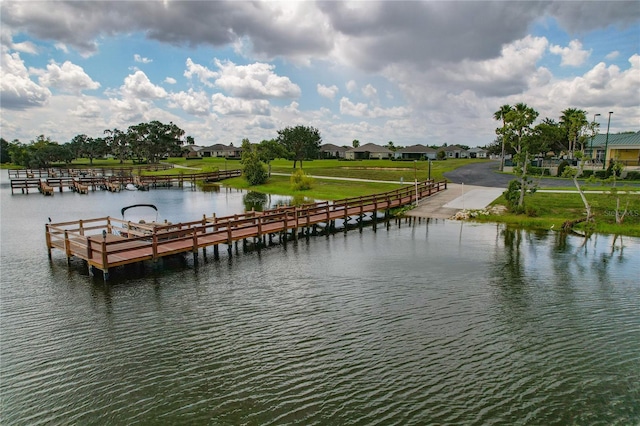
(191, 151)
(220, 150)
(454, 151)
(330, 150)
(416, 152)
(477, 153)
(368, 151)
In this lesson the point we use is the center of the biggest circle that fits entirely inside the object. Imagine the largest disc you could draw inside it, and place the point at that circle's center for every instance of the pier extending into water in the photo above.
(105, 243)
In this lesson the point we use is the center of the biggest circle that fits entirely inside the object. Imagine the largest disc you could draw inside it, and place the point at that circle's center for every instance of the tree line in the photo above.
(519, 136)
(142, 143)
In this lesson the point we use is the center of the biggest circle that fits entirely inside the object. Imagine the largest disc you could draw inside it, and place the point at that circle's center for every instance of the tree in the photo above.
(501, 114)
(574, 122)
(5, 157)
(269, 150)
(117, 143)
(152, 141)
(520, 133)
(355, 143)
(300, 143)
(252, 168)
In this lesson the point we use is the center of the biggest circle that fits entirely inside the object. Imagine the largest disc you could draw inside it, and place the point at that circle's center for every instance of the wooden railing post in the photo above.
(105, 259)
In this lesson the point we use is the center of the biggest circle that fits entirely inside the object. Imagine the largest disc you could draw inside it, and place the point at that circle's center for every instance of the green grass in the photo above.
(321, 189)
(547, 210)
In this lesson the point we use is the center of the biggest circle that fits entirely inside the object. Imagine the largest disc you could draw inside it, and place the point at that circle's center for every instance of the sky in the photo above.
(410, 72)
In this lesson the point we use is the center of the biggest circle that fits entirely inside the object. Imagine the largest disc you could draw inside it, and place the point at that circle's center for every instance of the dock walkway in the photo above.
(107, 242)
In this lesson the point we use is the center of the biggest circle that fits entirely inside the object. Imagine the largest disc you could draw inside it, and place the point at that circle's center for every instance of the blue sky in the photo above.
(407, 72)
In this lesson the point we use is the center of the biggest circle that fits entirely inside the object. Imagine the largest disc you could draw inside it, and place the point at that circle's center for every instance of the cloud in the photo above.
(203, 73)
(351, 86)
(26, 47)
(370, 92)
(87, 108)
(572, 55)
(195, 103)
(69, 78)
(235, 106)
(612, 55)
(254, 81)
(142, 60)
(170, 80)
(363, 110)
(598, 86)
(138, 85)
(17, 90)
(328, 92)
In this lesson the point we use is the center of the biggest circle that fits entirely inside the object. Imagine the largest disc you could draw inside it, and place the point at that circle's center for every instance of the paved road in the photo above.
(486, 174)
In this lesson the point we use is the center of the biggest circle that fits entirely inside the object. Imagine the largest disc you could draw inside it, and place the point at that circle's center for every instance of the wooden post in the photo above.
(48, 239)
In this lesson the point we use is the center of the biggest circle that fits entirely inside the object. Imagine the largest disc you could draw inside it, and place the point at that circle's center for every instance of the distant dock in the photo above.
(112, 179)
(105, 243)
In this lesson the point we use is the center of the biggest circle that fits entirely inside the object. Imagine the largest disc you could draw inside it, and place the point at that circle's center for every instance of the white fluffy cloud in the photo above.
(141, 59)
(254, 81)
(235, 106)
(196, 103)
(363, 110)
(17, 90)
(69, 78)
(572, 55)
(328, 92)
(138, 85)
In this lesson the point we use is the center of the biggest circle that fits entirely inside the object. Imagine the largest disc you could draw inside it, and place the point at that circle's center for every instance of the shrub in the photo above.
(538, 171)
(512, 195)
(300, 181)
(633, 175)
(563, 164)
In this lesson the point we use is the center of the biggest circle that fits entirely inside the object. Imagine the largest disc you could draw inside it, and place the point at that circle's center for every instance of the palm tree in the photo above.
(501, 114)
(574, 121)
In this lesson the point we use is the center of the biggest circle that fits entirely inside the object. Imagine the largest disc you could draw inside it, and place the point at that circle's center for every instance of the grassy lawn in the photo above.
(321, 190)
(547, 210)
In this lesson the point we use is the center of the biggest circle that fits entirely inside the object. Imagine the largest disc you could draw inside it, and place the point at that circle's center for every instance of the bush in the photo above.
(633, 175)
(300, 181)
(512, 195)
(538, 171)
(563, 165)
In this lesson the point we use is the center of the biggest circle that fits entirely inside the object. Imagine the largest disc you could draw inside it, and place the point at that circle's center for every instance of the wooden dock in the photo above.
(47, 180)
(105, 243)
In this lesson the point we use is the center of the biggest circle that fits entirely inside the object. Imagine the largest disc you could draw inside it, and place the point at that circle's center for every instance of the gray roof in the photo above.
(416, 149)
(370, 147)
(452, 148)
(332, 147)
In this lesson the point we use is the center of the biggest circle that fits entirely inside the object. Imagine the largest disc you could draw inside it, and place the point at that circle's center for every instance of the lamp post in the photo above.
(606, 143)
(593, 136)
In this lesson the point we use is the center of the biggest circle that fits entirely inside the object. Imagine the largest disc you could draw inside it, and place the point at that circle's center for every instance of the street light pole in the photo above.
(593, 136)
(606, 143)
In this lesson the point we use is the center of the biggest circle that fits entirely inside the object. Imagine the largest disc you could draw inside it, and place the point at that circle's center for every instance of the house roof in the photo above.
(332, 147)
(452, 148)
(220, 147)
(370, 147)
(477, 149)
(416, 149)
(624, 139)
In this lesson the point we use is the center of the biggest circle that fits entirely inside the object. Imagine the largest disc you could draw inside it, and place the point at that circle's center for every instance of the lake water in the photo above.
(435, 322)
